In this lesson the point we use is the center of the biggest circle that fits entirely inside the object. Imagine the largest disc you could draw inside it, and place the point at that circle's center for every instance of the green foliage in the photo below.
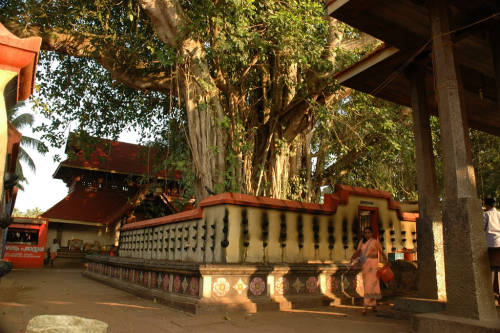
(30, 212)
(272, 58)
(246, 29)
(486, 158)
(77, 92)
(263, 37)
(366, 142)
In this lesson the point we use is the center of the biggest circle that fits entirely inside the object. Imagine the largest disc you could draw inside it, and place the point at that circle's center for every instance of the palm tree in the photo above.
(19, 121)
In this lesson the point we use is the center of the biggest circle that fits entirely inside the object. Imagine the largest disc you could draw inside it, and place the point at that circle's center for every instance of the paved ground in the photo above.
(27, 293)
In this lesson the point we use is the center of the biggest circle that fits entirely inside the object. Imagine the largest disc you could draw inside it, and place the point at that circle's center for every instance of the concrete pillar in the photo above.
(431, 275)
(468, 277)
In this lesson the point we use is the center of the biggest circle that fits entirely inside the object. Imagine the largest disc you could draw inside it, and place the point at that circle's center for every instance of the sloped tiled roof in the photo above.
(116, 157)
(103, 207)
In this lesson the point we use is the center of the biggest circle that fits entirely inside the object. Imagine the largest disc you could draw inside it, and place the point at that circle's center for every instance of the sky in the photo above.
(42, 190)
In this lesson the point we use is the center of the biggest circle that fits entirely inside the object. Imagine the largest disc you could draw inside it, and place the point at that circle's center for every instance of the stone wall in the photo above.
(198, 287)
(235, 228)
(239, 252)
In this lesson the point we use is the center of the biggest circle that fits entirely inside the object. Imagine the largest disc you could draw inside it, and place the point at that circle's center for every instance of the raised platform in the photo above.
(206, 287)
(198, 288)
(406, 307)
(435, 322)
(418, 305)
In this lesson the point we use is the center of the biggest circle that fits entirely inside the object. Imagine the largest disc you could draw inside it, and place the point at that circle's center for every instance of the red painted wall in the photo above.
(28, 255)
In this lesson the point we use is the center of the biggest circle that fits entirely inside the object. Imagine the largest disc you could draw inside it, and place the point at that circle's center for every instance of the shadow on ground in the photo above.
(27, 293)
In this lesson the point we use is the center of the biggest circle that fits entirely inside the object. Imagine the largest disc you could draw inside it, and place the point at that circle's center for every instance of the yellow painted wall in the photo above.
(187, 238)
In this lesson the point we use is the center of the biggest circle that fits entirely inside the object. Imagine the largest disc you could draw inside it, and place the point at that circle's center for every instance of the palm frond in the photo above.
(29, 142)
(20, 120)
(20, 175)
(23, 120)
(24, 157)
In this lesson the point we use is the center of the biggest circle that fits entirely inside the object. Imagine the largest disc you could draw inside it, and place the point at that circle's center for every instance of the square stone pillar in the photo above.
(468, 277)
(431, 275)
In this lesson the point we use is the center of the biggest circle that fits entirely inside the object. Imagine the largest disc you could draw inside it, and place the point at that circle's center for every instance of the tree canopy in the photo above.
(241, 92)
(30, 212)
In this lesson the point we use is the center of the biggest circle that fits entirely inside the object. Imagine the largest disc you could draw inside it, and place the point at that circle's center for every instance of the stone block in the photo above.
(65, 324)
(405, 280)
(418, 305)
(5, 267)
(433, 322)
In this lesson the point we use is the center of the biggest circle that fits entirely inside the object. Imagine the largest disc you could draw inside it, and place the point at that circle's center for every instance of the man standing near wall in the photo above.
(492, 228)
(53, 252)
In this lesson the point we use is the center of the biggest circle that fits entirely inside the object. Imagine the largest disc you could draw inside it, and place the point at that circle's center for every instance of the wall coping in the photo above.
(215, 268)
(342, 193)
(237, 199)
(264, 202)
(410, 217)
(329, 207)
(189, 215)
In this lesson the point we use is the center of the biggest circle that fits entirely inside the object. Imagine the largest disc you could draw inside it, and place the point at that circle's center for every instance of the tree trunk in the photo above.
(206, 138)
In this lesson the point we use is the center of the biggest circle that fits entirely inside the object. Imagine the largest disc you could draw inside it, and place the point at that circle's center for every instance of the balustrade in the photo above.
(235, 233)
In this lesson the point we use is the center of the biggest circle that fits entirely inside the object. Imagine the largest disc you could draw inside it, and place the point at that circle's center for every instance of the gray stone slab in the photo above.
(434, 322)
(65, 324)
(418, 305)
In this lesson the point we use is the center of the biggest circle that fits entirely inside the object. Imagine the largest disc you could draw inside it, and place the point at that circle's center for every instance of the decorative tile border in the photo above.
(166, 282)
(258, 286)
(194, 286)
(230, 284)
(181, 284)
(249, 286)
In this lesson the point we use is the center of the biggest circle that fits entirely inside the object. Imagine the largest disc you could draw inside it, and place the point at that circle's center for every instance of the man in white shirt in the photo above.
(54, 247)
(492, 228)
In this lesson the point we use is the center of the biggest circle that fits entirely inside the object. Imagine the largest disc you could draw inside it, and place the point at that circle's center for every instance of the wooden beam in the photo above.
(334, 5)
(400, 23)
(495, 51)
(370, 61)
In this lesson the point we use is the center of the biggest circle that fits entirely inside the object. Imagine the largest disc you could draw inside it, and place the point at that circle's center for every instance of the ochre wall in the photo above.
(200, 238)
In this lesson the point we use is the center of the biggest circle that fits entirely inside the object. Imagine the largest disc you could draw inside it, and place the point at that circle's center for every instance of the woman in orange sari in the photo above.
(368, 253)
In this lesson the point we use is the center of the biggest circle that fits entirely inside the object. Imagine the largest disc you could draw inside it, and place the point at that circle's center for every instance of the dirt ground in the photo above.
(27, 293)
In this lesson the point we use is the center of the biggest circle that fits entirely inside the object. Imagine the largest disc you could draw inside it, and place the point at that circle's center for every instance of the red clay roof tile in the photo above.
(98, 207)
(118, 157)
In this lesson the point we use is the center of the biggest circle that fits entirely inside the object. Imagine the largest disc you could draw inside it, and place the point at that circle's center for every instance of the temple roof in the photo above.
(405, 24)
(113, 157)
(86, 207)
(405, 28)
(19, 55)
